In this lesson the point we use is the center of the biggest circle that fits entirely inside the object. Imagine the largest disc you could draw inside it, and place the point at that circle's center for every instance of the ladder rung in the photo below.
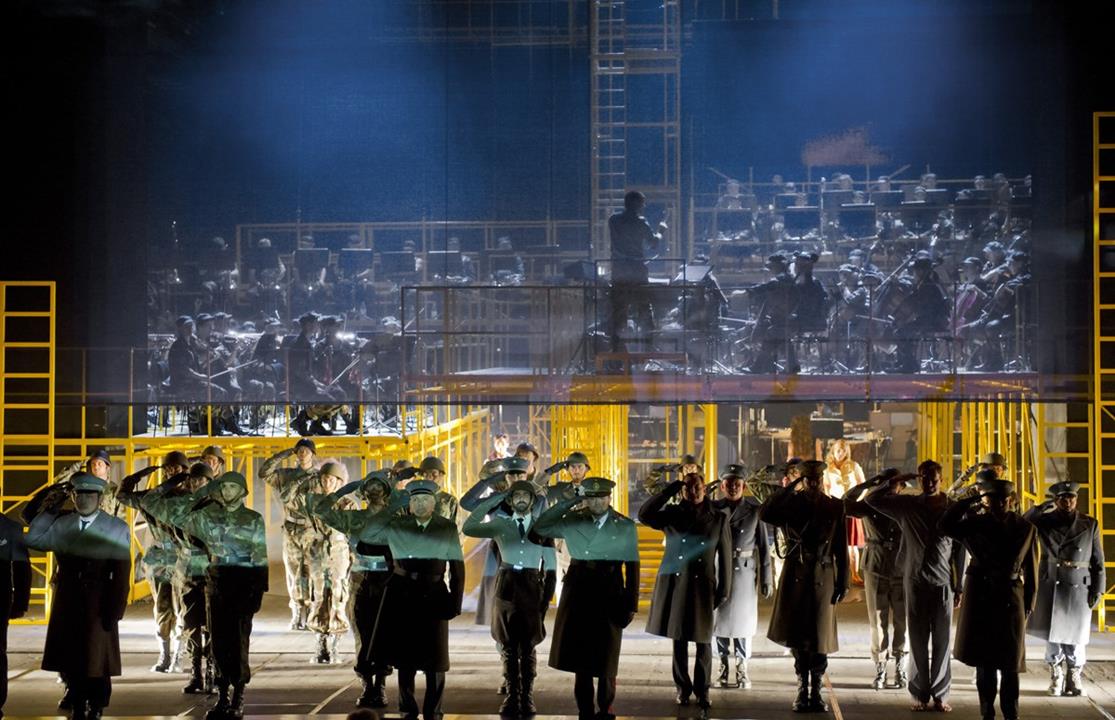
(26, 313)
(27, 344)
(27, 376)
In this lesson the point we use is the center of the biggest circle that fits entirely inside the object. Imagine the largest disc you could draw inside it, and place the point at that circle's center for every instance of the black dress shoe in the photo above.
(683, 697)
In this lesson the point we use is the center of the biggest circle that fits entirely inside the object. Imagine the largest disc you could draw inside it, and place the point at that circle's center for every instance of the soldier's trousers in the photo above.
(193, 614)
(431, 703)
(988, 680)
(809, 661)
(583, 691)
(929, 622)
(366, 593)
(230, 628)
(93, 690)
(1074, 655)
(741, 646)
(298, 544)
(702, 667)
(163, 605)
(329, 584)
(886, 606)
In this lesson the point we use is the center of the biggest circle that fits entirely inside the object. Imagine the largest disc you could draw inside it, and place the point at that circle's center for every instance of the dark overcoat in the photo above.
(1071, 569)
(90, 591)
(999, 586)
(695, 576)
(816, 564)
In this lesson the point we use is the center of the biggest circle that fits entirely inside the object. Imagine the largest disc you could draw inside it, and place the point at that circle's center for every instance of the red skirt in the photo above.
(856, 536)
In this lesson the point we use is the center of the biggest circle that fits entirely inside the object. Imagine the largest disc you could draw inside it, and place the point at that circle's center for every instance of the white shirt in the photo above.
(601, 520)
(85, 521)
(525, 520)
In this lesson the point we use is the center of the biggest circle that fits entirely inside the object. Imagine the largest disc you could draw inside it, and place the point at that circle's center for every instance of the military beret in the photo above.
(597, 487)
(1065, 487)
(993, 458)
(176, 457)
(84, 482)
(336, 469)
(578, 458)
(421, 487)
(306, 443)
(733, 471)
(431, 463)
(101, 454)
(516, 465)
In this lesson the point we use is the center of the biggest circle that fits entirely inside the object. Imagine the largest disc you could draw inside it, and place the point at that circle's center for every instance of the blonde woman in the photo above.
(842, 473)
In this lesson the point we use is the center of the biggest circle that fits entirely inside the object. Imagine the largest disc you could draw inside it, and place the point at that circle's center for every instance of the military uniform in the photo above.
(168, 504)
(814, 578)
(159, 559)
(881, 563)
(492, 479)
(329, 563)
(15, 589)
(300, 538)
(695, 577)
(237, 545)
(735, 622)
(523, 589)
(599, 597)
(999, 593)
(1071, 580)
(93, 564)
(930, 581)
(369, 569)
(424, 553)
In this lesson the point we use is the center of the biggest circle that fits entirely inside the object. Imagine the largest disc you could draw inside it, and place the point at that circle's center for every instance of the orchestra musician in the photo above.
(630, 236)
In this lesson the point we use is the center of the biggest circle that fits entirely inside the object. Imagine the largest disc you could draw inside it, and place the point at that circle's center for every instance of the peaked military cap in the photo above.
(776, 259)
(577, 457)
(515, 465)
(421, 487)
(84, 482)
(597, 486)
(309, 318)
(812, 467)
(203, 317)
(1066, 487)
(184, 320)
(791, 463)
(990, 484)
(733, 470)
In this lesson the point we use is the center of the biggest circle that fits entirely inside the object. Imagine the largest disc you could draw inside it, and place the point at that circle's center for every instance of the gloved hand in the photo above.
(56, 497)
(674, 488)
(556, 467)
(1093, 599)
(767, 589)
(407, 473)
(838, 595)
(349, 488)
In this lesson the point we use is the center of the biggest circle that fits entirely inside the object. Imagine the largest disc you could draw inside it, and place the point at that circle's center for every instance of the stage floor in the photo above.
(286, 683)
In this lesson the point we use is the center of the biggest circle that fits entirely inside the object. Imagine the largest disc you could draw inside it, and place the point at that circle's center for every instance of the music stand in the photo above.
(833, 199)
(310, 262)
(353, 261)
(260, 259)
(399, 262)
(692, 275)
(785, 200)
(858, 219)
(937, 196)
(887, 199)
(918, 215)
(800, 220)
(733, 221)
(444, 263)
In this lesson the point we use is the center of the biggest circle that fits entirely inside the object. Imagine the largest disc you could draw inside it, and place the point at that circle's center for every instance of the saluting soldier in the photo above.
(329, 570)
(657, 479)
(999, 589)
(160, 556)
(931, 581)
(575, 465)
(432, 469)
(93, 562)
(369, 570)
(735, 622)
(236, 541)
(15, 589)
(882, 562)
(300, 538)
(694, 579)
(492, 479)
(814, 578)
(1070, 581)
(524, 585)
(600, 595)
(412, 630)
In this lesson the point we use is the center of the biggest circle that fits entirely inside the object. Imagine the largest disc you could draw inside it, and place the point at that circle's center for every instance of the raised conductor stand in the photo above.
(662, 325)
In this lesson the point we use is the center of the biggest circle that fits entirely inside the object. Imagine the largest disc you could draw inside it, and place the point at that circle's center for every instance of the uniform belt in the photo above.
(1073, 564)
(519, 569)
(743, 553)
(595, 564)
(374, 567)
(429, 577)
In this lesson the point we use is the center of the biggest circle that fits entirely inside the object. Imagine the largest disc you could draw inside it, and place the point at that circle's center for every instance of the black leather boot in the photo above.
(816, 701)
(510, 706)
(236, 705)
(379, 691)
(220, 709)
(162, 665)
(801, 702)
(196, 683)
(528, 669)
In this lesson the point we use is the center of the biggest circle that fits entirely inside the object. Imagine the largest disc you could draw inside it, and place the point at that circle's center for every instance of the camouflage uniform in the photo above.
(329, 566)
(300, 537)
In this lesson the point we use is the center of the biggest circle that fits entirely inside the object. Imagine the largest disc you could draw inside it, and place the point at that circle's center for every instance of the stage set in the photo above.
(343, 257)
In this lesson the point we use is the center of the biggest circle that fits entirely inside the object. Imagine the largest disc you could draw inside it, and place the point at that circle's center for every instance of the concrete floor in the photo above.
(286, 683)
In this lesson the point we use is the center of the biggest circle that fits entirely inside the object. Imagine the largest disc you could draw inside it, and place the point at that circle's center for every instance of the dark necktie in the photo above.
(522, 530)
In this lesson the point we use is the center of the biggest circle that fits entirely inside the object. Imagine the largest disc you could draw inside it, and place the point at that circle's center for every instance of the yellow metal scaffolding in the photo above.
(1103, 344)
